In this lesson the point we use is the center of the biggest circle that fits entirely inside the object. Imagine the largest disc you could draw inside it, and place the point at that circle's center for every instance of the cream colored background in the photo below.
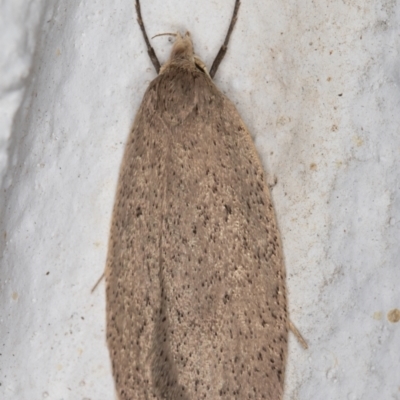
(318, 85)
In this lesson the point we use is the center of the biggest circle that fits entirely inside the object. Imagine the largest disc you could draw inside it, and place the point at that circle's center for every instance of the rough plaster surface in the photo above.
(318, 85)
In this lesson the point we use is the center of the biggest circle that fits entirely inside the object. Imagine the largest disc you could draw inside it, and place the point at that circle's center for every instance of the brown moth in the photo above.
(196, 298)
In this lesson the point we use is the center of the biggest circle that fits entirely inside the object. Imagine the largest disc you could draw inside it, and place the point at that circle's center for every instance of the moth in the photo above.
(195, 277)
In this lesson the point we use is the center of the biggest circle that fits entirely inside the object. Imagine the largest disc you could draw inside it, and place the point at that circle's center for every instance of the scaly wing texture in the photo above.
(196, 304)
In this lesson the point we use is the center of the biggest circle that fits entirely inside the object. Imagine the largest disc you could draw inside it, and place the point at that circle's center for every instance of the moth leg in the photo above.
(298, 335)
(272, 181)
(98, 282)
(224, 47)
(150, 50)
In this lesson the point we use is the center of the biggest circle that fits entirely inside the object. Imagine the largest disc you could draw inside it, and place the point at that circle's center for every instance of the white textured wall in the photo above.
(318, 85)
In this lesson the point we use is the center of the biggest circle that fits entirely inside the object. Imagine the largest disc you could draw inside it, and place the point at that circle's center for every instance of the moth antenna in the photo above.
(150, 50)
(224, 47)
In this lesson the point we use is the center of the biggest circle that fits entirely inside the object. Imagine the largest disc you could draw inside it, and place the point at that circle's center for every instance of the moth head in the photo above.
(182, 48)
(182, 53)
